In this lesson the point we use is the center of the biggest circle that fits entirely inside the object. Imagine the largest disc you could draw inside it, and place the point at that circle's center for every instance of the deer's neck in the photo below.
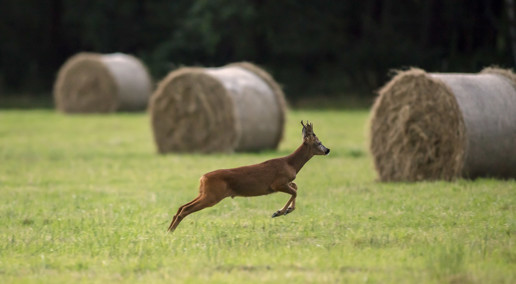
(299, 158)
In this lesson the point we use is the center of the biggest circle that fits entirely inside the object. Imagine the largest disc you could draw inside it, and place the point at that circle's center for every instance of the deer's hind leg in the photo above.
(210, 193)
(199, 203)
(179, 211)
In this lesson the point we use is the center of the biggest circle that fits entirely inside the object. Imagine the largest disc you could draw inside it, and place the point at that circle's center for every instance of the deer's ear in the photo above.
(304, 129)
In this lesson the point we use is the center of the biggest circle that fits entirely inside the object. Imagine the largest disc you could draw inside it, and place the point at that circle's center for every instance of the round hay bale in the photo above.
(238, 107)
(438, 126)
(95, 83)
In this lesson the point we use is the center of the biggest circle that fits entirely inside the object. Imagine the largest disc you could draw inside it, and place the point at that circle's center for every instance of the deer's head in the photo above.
(310, 139)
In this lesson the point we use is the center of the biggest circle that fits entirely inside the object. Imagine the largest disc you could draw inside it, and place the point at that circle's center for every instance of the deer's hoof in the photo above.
(290, 209)
(276, 214)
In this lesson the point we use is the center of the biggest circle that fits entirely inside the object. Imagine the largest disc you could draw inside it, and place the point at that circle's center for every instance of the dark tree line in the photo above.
(311, 47)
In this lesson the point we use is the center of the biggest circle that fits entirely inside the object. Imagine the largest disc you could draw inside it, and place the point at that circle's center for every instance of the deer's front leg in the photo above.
(290, 206)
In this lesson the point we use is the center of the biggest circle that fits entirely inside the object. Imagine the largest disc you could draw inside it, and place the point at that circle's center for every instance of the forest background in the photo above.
(314, 49)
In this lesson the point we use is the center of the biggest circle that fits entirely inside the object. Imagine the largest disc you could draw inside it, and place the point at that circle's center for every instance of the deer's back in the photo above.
(253, 180)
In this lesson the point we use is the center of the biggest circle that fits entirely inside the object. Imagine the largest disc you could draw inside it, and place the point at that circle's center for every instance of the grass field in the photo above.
(85, 198)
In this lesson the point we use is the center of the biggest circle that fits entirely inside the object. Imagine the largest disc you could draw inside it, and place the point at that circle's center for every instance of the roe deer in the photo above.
(255, 180)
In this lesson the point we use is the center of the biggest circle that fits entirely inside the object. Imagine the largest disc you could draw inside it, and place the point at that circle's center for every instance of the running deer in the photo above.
(271, 176)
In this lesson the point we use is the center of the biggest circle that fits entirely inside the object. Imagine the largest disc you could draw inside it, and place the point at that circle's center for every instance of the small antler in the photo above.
(307, 128)
(266, 178)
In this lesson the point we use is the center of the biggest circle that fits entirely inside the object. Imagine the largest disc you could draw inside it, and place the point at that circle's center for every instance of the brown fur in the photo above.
(271, 176)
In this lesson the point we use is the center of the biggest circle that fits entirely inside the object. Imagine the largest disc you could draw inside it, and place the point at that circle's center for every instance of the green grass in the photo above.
(85, 198)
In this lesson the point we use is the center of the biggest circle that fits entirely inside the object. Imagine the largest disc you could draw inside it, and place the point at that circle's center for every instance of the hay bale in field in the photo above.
(238, 107)
(90, 82)
(432, 126)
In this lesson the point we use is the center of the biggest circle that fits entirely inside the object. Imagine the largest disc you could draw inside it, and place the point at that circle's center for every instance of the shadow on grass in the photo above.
(45, 101)
(26, 101)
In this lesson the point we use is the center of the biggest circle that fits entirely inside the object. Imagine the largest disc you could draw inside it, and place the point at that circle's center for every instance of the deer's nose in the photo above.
(327, 151)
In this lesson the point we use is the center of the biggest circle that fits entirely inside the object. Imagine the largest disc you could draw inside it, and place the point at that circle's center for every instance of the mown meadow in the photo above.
(85, 198)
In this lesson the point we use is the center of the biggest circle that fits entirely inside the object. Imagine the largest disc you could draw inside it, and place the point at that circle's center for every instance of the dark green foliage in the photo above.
(312, 48)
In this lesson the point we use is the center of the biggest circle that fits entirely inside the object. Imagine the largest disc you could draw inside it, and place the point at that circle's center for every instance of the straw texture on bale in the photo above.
(443, 126)
(238, 107)
(95, 83)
